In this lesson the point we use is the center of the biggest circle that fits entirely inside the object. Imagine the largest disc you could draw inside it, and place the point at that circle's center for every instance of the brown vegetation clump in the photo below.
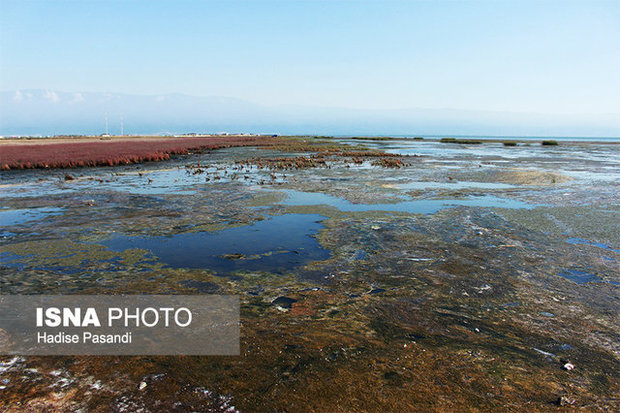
(298, 162)
(389, 163)
(321, 156)
(460, 141)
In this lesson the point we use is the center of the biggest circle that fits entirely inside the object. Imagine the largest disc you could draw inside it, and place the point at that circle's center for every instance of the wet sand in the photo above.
(461, 279)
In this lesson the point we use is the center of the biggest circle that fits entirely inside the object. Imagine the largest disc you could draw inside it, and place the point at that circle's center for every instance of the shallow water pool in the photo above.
(276, 244)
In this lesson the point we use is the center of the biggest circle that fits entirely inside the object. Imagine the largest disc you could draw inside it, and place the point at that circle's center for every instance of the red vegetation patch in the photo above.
(113, 152)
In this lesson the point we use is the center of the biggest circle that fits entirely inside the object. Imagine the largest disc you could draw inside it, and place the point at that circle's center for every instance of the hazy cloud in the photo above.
(51, 96)
(78, 97)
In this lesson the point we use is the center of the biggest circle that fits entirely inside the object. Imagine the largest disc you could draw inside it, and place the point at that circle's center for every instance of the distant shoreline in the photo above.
(34, 139)
(71, 151)
(379, 137)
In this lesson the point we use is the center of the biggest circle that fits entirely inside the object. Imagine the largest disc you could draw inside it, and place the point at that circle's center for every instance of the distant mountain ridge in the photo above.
(44, 111)
(48, 112)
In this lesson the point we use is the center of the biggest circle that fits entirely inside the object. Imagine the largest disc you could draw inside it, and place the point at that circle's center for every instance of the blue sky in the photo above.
(523, 56)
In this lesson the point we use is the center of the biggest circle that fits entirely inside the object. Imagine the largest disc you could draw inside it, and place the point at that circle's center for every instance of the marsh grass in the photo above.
(374, 138)
(460, 141)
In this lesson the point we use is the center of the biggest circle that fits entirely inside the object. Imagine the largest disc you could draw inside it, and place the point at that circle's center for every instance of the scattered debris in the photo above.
(568, 366)
(565, 401)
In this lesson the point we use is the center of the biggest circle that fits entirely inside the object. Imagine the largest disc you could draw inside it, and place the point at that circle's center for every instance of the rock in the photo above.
(69, 177)
(284, 303)
(142, 385)
(234, 256)
(565, 401)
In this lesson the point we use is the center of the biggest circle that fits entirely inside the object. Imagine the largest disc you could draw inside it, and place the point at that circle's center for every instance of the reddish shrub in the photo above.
(54, 154)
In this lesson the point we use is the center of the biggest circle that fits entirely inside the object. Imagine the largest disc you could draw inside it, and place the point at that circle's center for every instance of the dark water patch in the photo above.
(359, 255)
(11, 260)
(277, 244)
(565, 347)
(6, 234)
(414, 337)
(10, 217)
(583, 241)
(583, 277)
(424, 206)
(509, 305)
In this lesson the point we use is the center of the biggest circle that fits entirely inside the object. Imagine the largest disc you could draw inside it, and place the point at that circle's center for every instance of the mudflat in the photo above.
(374, 275)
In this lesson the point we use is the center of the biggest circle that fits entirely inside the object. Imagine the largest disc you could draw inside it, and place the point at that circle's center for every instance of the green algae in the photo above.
(265, 199)
(66, 253)
(594, 223)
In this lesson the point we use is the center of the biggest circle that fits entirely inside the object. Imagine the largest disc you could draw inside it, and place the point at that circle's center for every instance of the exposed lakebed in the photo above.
(468, 276)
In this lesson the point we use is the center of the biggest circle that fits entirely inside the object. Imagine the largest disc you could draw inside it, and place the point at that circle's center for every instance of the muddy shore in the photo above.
(392, 275)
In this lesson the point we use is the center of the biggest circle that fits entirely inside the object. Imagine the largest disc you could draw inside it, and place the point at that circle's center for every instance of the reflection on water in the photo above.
(590, 162)
(10, 217)
(277, 244)
(454, 185)
(525, 151)
(424, 206)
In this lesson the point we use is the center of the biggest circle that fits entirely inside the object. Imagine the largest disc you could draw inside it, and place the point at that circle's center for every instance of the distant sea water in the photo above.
(403, 136)
(492, 137)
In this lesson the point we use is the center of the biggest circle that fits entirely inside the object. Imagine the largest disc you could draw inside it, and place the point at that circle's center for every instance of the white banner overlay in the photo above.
(119, 325)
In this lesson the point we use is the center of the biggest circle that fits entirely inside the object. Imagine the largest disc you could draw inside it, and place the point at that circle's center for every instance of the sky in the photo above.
(555, 57)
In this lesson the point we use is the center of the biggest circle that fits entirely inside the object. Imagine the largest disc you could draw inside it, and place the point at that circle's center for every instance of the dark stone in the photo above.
(565, 401)
(284, 302)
